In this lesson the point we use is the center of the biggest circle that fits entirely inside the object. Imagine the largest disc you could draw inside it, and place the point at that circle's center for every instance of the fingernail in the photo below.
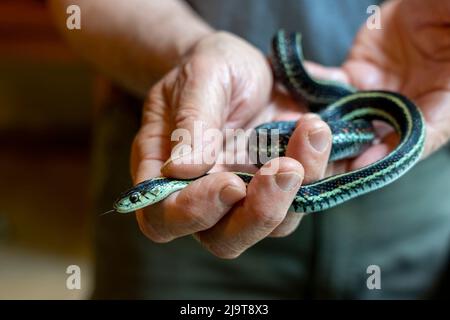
(287, 181)
(230, 194)
(319, 139)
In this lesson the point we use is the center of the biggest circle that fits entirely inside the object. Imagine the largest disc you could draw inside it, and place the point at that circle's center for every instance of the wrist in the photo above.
(187, 42)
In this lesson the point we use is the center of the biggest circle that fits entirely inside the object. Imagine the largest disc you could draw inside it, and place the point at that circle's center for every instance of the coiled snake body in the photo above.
(348, 113)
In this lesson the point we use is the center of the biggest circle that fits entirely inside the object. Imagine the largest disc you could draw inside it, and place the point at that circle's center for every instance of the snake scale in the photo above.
(348, 112)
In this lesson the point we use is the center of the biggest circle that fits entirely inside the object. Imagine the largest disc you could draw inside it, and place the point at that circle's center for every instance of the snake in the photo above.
(350, 115)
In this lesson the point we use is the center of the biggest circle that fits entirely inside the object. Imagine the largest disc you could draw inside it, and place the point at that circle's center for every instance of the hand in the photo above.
(410, 55)
(223, 82)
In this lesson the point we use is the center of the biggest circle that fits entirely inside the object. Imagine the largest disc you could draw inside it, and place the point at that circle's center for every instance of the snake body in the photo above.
(349, 114)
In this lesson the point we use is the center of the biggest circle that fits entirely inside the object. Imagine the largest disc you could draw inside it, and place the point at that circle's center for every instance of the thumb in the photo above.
(199, 99)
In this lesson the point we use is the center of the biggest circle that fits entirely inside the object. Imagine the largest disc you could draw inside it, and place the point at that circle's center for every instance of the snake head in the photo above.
(146, 193)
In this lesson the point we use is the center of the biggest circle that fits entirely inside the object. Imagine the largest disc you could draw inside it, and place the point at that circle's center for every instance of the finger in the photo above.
(151, 146)
(371, 155)
(268, 200)
(375, 152)
(310, 144)
(374, 78)
(146, 157)
(437, 114)
(199, 101)
(288, 225)
(197, 207)
(326, 73)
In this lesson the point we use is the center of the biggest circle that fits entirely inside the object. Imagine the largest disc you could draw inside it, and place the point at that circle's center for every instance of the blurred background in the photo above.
(47, 103)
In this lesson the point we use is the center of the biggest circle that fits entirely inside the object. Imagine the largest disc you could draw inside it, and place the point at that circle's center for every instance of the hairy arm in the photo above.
(135, 41)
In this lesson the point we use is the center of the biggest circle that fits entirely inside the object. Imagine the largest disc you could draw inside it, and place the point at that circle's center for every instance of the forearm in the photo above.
(134, 41)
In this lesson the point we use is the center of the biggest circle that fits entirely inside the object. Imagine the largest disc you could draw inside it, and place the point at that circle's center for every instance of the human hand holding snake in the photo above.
(410, 55)
(227, 230)
(223, 82)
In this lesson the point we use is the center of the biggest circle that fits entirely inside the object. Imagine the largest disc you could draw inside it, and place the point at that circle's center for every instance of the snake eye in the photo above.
(134, 197)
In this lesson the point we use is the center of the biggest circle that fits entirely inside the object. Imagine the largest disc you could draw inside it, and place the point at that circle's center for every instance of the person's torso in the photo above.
(328, 26)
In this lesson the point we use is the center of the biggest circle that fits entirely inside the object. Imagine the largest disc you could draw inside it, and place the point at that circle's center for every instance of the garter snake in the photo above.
(348, 112)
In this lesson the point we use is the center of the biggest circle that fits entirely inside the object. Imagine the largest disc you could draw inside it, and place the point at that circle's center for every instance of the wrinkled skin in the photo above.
(223, 82)
(411, 55)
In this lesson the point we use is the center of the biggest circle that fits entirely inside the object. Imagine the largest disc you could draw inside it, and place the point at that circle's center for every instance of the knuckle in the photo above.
(192, 213)
(232, 178)
(187, 113)
(141, 148)
(196, 65)
(288, 226)
(225, 255)
(153, 235)
(140, 140)
(267, 218)
(220, 249)
(154, 96)
(192, 73)
(224, 252)
(154, 93)
(282, 232)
